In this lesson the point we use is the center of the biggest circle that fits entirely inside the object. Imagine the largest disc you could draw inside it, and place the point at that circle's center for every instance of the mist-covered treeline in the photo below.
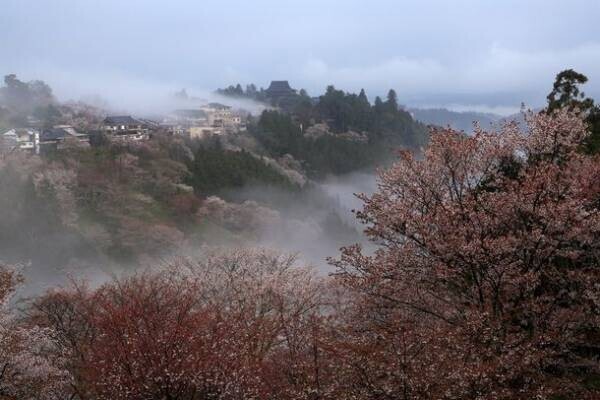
(114, 206)
(20, 99)
(381, 123)
(461, 121)
(33, 104)
(338, 133)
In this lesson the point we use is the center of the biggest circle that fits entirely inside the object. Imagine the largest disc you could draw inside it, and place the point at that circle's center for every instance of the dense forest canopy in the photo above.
(345, 112)
(215, 168)
(354, 134)
(19, 99)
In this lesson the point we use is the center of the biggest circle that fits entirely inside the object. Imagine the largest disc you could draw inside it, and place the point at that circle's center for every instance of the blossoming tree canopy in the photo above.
(28, 367)
(488, 247)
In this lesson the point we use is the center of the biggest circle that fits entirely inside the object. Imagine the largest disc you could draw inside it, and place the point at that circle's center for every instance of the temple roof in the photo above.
(279, 86)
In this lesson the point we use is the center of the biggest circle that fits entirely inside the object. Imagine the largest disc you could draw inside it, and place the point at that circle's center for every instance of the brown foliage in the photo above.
(232, 326)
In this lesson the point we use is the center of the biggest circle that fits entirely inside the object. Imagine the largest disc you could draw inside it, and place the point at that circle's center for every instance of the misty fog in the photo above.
(316, 224)
(313, 224)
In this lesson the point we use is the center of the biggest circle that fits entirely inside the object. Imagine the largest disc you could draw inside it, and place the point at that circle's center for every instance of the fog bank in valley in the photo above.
(314, 223)
(57, 244)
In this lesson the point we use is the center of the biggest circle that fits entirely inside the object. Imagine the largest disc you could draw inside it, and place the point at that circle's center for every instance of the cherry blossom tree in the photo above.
(233, 324)
(277, 312)
(485, 283)
(29, 368)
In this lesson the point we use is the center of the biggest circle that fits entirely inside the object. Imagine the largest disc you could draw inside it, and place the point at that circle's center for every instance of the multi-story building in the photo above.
(124, 127)
(222, 116)
(210, 119)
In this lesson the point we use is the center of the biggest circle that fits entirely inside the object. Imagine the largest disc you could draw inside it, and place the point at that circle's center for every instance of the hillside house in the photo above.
(60, 137)
(21, 139)
(124, 127)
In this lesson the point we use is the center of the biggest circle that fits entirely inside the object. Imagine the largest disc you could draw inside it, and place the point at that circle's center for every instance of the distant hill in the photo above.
(462, 121)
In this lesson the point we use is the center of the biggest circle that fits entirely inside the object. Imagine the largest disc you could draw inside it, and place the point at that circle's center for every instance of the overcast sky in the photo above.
(488, 54)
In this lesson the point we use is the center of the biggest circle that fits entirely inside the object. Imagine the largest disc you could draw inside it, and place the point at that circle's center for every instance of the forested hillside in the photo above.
(215, 169)
(336, 133)
(119, 204)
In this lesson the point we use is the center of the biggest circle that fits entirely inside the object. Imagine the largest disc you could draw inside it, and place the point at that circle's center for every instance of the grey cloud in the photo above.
(465, 52)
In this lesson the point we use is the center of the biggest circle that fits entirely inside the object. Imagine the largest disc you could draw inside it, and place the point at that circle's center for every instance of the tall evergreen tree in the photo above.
(251, 90)
(378, 105)
(238, 90)
(392, 100)
(362, 96)
(566, 94)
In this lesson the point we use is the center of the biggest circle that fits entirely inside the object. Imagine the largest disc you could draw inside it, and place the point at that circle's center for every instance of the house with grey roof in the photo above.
(124, 128)
(60, 137)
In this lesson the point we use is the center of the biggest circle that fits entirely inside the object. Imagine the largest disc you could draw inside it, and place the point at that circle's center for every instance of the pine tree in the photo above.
(566, 94)
(392, 100)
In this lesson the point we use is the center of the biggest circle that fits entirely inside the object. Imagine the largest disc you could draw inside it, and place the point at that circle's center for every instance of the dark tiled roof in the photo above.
(53, 134)
(279, 86)
(121, 120)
